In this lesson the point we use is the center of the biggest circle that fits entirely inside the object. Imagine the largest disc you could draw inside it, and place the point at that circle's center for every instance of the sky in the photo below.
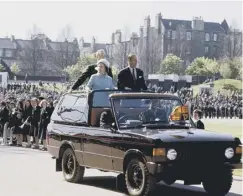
(101, 19)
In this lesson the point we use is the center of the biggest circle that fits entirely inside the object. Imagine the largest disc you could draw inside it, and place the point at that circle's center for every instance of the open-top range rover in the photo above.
(149, 137)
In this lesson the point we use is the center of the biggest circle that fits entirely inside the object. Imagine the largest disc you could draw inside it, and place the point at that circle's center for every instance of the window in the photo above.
(187, 63)
(72, 108)
(168, 34)
(207, 37)
(188, 36)
(215, 37)
(173, 34)
(49, 58)
(188, 50)
(40, 56)
(206, 49)
(182, 35)
(214, 50)
(8, 53)
(1, 52)
(101, 99)
(169, 48)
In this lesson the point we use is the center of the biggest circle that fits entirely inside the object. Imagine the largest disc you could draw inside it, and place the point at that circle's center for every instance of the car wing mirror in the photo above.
(113, 127)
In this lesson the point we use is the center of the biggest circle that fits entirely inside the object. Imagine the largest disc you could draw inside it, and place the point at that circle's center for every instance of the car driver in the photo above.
(154, 113)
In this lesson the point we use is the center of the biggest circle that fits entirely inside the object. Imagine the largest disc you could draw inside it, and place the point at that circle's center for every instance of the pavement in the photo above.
(28, 172)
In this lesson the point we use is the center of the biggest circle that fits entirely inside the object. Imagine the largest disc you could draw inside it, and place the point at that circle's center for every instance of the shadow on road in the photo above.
(109, 183)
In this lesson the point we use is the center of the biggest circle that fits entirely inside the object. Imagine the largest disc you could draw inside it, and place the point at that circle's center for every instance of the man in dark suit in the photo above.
(197, 115)
(106, 119)
(154, 113)
(131, 77)
(91, 69)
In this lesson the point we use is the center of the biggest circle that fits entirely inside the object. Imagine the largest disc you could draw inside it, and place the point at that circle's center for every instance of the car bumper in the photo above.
(155, 168)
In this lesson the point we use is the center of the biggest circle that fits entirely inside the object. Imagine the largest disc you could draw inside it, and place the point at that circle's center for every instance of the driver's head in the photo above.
(154, 103)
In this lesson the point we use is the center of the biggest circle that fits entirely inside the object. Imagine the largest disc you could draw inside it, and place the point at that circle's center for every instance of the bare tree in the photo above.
(66, 33)
(234, 40)
(35, 30)
(121, 48)
(154, 52)
(30, 55)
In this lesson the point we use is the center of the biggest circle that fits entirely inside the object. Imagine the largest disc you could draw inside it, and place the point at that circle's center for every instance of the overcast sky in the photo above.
(100, 19)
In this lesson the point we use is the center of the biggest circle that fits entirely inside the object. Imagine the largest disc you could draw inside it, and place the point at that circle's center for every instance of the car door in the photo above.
(68, 120)
(97, 148)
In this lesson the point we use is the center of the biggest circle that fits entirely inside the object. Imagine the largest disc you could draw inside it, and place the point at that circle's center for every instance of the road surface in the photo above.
(27, 172)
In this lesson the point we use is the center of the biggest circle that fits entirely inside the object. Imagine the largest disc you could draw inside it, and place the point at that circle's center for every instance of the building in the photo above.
(90, 48)
(184, 38)
(187, 39)
(38, 56)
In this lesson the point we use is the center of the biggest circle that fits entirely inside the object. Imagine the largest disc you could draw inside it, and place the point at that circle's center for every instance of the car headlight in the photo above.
(171, 154)
(229, 153)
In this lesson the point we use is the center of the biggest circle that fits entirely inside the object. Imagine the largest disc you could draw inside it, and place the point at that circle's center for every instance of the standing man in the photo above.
(131, 77)
(197, 115)
(91, 69)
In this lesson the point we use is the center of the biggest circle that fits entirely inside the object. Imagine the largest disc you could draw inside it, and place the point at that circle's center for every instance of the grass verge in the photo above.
(218, 85)
(231, 126)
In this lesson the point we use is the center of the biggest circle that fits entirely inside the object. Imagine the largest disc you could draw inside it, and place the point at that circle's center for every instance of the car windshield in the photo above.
(131, 113)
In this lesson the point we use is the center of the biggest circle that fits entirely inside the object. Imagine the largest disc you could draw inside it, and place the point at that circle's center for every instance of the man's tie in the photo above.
(133, 75)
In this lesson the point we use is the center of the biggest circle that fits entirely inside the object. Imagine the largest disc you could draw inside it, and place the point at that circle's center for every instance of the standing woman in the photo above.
(27, 113)
(44, 121)
(16, 122)
(101, 80)
(34, 120)
(50, 108)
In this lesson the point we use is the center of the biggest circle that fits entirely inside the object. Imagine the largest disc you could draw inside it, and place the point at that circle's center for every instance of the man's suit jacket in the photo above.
(87, 74)
(125, 79)
(106, 119)
(200, 124)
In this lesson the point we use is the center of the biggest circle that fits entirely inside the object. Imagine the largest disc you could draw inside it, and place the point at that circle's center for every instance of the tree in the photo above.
(202, 66)
(2, 68)
(121, 48)
(74, 71)
(115, 72)
(171, 65)
(231, 68)
(154, 51)
(15, 68)
(35, 30)
(234, 40)
(66, 33)
(30, 55)
(120, 51)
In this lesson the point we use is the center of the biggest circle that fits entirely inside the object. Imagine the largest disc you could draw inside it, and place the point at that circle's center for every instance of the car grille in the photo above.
(202, 153)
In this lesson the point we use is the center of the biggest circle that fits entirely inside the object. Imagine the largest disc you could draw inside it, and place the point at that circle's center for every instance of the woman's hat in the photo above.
(105, 62)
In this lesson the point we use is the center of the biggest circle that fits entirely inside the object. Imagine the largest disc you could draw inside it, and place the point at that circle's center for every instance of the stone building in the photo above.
(39, 56)
(187, 39)
(89, 48)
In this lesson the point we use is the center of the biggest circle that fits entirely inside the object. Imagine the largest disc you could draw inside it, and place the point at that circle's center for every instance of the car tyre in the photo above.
(219, 183)
(139, 181)
(71, 169)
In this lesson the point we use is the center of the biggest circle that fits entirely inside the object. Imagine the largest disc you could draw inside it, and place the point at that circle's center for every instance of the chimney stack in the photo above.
(81, 42)
(158, 22)
(93, 42)
(12, 38)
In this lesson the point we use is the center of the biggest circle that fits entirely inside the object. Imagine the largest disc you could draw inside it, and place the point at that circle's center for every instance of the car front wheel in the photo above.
(218, 182)
(71, 169)
(138, 180)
